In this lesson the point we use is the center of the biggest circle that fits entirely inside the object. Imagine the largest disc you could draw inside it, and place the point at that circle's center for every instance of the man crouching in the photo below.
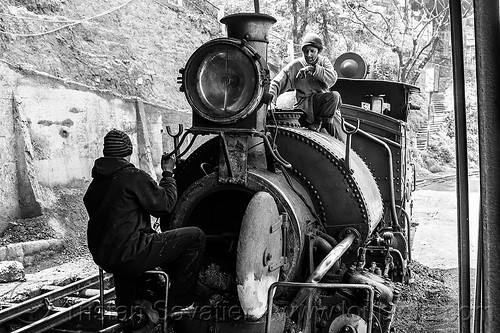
(119, 202)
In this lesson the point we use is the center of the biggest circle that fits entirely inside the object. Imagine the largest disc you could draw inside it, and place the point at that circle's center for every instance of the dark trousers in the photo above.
(326, 109)
(179, 253)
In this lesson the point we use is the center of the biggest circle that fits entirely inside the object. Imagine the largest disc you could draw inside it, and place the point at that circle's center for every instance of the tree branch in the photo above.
(423, 63)
(395, 4)
(305, 21)
(383, 18)
(432, 42)
(433, 19)
(362, 23)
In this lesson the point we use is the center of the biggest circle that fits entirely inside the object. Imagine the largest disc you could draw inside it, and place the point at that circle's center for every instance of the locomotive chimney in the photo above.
(254, 29)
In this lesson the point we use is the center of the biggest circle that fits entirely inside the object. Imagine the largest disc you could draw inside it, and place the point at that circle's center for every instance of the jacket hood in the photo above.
(105, 167)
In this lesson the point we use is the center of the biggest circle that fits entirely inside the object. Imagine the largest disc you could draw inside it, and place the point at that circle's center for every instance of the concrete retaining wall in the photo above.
(53, 130)
(28, 252)
(9, 205)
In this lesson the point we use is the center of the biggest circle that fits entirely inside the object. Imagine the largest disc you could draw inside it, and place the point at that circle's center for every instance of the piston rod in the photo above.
(368, 288)
(320, 271)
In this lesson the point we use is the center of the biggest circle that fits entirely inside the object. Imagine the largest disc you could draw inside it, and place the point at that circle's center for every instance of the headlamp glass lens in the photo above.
(225, 82)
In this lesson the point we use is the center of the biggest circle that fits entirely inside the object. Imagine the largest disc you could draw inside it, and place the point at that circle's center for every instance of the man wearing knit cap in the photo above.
(119, 202)
(312, 76)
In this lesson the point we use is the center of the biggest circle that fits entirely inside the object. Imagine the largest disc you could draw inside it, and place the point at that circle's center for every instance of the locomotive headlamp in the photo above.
(224, 80)
(350, 65)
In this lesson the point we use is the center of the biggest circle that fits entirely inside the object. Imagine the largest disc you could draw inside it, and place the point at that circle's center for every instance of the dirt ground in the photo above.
(429, 304)
(63, 217)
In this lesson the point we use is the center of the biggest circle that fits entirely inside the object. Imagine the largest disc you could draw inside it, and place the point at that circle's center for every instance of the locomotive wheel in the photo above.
(348, 323)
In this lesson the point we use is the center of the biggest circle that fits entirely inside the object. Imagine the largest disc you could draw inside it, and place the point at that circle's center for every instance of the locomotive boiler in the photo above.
(311, 233)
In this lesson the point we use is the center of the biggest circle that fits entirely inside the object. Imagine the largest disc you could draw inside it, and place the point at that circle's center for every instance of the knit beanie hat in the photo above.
(312, 39)
(117, 144)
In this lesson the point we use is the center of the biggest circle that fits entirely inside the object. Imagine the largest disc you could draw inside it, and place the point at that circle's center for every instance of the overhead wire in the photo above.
(107, 12)
(34, 18)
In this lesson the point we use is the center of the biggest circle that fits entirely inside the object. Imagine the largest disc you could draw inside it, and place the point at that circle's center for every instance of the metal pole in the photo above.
(101, 296)
(462, 172)
(487, 29)
(478, 297)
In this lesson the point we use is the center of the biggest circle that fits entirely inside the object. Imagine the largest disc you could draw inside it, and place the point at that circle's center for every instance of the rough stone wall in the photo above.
(113, 49)
(62, 126)
(134, 50)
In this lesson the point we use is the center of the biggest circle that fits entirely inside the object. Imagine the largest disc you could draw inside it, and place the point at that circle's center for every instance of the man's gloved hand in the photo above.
(271, 106)
(168, 162)
(304, 71)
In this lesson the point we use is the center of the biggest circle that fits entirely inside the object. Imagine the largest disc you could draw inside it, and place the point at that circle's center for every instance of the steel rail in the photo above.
(63, 315)
(38, 301)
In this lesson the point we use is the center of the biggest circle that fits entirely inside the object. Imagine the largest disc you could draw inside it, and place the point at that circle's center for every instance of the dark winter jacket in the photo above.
(119, 202)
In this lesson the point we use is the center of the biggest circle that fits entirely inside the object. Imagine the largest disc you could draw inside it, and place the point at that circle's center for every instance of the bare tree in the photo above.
(313, 15)
(300, 14)
(413, 31)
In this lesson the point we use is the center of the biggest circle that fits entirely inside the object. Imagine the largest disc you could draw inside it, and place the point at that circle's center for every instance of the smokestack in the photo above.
(253, 28)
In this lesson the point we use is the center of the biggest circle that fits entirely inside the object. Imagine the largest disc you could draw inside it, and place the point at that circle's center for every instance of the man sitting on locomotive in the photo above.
(119, 201)
(312, 76)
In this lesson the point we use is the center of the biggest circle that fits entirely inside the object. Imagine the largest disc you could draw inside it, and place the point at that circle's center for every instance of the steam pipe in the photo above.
(408, 225)
(333, 242)
(320, 271)
(274, 152)
(323, 246)
(394, 214)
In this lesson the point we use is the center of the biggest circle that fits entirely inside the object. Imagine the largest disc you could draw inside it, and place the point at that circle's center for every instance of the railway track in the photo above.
(425, 182)
(54, 309)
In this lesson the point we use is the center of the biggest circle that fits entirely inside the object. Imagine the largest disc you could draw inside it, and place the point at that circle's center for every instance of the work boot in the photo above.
(316, 126)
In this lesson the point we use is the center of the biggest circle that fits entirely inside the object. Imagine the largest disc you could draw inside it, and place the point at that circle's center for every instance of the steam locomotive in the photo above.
(313, 234)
